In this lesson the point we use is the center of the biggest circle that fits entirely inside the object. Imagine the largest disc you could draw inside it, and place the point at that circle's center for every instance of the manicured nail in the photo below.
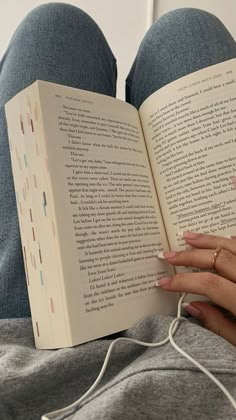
(189, 235)
(163, 282)
(192, 310)
(170, 254)
(166, 254)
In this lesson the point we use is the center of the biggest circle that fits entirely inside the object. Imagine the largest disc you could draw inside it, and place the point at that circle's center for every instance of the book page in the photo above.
(108, 219)
(37, 230)
(190, 130)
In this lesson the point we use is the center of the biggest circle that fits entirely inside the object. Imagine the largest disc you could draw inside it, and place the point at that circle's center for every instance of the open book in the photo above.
(102, 188)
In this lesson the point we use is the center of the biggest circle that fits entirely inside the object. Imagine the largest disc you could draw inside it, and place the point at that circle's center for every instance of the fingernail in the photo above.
(170, 254)
(189, 235)
(166, 254)
(192, 310)
(164, 281)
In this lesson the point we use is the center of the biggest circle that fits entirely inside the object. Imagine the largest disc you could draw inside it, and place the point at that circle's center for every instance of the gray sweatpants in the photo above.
(140, 383)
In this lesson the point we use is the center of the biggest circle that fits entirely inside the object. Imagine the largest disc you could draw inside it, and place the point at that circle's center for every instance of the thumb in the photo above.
(213, 319)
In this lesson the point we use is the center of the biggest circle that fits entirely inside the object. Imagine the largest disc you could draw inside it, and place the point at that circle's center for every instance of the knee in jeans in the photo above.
(181, 25)
(187, 16)
(57, 12)
(55, 17)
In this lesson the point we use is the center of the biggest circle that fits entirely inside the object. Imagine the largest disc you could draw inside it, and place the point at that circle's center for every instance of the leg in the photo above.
(179, 43)
(58, 43)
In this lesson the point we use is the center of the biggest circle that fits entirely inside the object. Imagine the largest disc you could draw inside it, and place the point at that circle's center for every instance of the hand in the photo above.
(219, 287)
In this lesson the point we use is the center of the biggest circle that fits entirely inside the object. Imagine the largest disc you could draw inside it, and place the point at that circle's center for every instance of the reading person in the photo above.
(62, 44)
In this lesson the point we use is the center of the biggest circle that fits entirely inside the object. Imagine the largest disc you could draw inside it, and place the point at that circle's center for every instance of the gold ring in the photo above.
(214, 258)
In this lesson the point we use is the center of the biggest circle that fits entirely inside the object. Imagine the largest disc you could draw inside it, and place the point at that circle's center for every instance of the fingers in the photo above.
(213, 320)
(216, 288)
(208, 252)
(200, 240)
(225, 262)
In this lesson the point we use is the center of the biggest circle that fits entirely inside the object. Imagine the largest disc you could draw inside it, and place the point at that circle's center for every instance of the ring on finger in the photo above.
(217, 251)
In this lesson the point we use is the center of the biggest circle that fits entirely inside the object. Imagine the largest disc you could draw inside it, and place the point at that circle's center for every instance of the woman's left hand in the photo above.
(219, 287)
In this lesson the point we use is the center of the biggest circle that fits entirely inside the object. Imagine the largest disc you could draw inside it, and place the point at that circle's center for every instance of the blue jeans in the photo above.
(60, 43)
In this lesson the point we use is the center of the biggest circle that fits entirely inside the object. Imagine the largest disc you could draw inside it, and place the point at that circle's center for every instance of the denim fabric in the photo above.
(57, 43)
(178, 43)
(60, 43)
